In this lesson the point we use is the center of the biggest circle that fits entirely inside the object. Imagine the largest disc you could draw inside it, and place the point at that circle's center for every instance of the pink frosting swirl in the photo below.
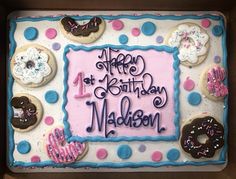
(215, 85)
(62, 152)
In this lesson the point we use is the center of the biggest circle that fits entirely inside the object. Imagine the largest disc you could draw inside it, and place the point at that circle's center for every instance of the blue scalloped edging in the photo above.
(11, 144)
(223, 153)
(108, 17)
(115, 165)
(176, 63)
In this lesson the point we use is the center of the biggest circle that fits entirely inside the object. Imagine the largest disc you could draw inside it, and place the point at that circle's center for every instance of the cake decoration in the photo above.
(33, 66)
(48, 120)
(173, 154)
(217, 59)
(194, 98)
(188, 84)
(148, 28)
(205, 23)
(79, 81)
(31, 33)
(135, 31)
(86, 33)
(159, 39)
(51, 33)
(23, 147)
(142, 148)
(123, 39)
(124, 152)
(122, 72)
(102, 153)
(192, 41)
(62, 152)
(203, 125)
(51, 96)
(117, 25)
(56, 46)
(35, 159)
(27, 112)
(212, 83)
(156, 156)
(217, 30)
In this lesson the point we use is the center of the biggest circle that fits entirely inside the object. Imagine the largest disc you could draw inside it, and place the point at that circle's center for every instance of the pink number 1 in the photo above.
(79, 81)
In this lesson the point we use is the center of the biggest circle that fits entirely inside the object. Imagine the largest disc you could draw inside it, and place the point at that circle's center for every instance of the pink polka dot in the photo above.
(102, 154)
(135, 31)
(49, 120)
(189, 84)
(35, 159)
(51, 33)
(117, 25)
(205, 23)
(156, 156)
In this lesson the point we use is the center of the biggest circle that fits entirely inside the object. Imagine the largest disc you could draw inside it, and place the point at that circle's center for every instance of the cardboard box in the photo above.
(228, 7)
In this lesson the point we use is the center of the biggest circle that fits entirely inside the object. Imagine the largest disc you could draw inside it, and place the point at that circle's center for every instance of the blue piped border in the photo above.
(115, 165)
(11, 145)
(167, 49)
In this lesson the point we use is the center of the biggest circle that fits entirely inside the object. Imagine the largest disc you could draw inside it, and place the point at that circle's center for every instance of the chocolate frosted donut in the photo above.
(26, 115)
(70, 25)
(208, 126)
(27, 112)
(84, 33)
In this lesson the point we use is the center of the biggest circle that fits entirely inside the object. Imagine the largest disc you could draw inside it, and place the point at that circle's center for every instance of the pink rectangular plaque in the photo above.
(121, 94)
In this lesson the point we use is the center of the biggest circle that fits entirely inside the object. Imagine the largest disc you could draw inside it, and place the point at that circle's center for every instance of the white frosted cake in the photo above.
(117, 91)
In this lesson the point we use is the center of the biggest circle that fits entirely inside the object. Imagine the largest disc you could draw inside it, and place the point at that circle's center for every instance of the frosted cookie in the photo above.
(192, 41)
(33, 65)
(61, 151)
(27, 112)
(86, 33)
(202, 136)
(212, 83)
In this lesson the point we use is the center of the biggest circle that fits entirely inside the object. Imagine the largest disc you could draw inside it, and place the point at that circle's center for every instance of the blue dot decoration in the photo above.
(31, 33)
(173, 154)
(217, 30)
(123, 39)
(194, 98)
(124, 152)
(148, 28)
(23, 147)
(51, 96)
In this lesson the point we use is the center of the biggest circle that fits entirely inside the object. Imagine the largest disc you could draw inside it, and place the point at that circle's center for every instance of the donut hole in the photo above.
(203, 138)
(30, 64)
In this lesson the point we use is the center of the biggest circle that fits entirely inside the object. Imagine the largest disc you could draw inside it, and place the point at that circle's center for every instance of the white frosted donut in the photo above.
(192, 41)
(33, 65)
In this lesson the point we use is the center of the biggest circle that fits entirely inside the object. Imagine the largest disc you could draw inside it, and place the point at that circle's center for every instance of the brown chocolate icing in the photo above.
(70, 25)
(202, 126)
(28, 117)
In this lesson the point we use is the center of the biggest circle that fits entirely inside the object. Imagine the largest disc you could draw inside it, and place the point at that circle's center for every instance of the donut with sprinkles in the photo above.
(33, 65)
(61, 151)
(206, 126)
(192, 41)
(212, 83)
(85, 33)
(27, 112)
